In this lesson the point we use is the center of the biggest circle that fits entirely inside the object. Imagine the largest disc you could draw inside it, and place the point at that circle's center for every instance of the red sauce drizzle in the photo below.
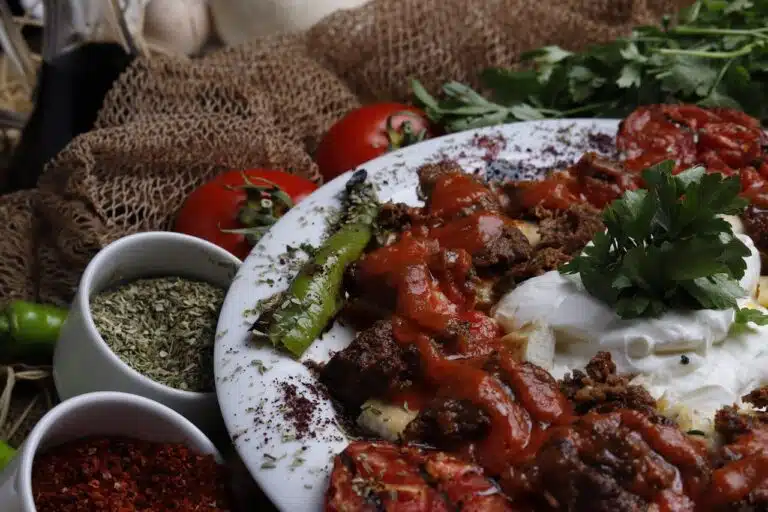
(454, 192)
(429, 270)
(470, 233)
(736, 480)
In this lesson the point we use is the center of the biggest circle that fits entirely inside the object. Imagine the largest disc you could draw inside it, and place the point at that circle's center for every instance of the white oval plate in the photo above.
(252, 381)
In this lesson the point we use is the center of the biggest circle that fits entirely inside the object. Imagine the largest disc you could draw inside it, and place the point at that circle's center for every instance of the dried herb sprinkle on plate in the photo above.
(163, 328)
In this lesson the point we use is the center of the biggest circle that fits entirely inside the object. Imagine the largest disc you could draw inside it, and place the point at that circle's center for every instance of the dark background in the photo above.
(69, 93)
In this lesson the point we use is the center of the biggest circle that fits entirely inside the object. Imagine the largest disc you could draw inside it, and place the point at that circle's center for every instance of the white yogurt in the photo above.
(719, 367)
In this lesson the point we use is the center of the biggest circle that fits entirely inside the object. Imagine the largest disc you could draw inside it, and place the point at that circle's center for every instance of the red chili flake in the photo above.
(113, 474)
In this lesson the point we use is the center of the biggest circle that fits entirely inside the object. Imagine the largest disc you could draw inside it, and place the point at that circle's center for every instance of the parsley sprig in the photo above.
(713, 53)
(666, 247)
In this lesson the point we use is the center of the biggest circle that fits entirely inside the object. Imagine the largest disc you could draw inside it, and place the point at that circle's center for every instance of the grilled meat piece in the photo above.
(616, 462)
(542, 260)
(369, 367)
(361, 312)
(508, 247)
(753, 502)
(430, 173)
(371, 298)
(570, 230)
(449, 192)
(610, 176)
(746, 450)
(731, 423)
(393, 219)
(563, 235)
(381, 476)
(755, 221)
(446, 423)
(595, 166)
(491, 240)
(398, 216)
(740, 477)
(358, 283)
(757, 397)
(601, 390)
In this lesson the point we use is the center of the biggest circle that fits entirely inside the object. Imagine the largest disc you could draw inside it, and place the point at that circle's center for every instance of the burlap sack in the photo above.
(168, 126)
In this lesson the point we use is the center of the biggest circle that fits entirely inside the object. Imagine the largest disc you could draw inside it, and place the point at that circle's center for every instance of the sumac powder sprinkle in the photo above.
(121, 475)
(299, 410)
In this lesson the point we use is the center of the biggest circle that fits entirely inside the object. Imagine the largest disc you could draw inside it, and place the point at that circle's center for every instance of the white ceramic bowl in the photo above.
(95, 414)
(83, 362)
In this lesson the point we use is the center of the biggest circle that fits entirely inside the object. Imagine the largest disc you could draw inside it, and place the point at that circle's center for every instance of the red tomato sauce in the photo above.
(722, 140)
(454, 192)
(429, 269)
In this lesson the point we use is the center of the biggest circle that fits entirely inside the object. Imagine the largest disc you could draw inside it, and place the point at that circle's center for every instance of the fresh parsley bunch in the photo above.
(713, 53)
(666, 247)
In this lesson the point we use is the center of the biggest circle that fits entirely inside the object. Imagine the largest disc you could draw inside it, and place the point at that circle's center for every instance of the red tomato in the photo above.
(738, 117)
(647, 137)
(738, 146)
(726, 141)
(692, 116)
(237, 207)
(754, 187)
(751, 179)
(369, 132)
(714, 162)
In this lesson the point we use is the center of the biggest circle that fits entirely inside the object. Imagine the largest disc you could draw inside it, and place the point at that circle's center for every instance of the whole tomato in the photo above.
(236, 208)
(368, 132)
(647, 136)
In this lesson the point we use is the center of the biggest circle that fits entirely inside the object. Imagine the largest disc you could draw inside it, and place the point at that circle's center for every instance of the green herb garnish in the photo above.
(713, 53)
(164, 328)
(666, 247)
(746, 315)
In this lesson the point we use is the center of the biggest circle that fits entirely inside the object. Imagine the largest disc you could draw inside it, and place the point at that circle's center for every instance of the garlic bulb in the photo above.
(177, 26)
(239, 20)
(33, 8)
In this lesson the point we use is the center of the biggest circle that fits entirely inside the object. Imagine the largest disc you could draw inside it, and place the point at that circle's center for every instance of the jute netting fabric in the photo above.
(169, 125)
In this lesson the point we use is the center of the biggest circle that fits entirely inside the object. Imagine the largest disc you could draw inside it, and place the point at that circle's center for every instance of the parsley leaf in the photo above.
(631, 76)
(719, 291)
(583, 83)
(746, 315)
(666, 247)
(687, 76)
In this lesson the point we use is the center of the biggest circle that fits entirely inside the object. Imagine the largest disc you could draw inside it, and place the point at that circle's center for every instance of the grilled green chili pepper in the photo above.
(28, 329)
(7, 453)
(301, 314)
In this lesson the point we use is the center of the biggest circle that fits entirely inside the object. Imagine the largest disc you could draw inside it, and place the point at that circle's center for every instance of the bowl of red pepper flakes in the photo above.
(115, 452)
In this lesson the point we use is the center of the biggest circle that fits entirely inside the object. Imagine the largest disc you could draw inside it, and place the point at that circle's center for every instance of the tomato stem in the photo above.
(252, 234)
(273, 190)
(266, 202)
(404, 135)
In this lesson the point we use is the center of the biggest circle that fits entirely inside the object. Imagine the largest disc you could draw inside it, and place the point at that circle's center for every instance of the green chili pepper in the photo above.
(315, 297)
(28, 329)
(7, 453)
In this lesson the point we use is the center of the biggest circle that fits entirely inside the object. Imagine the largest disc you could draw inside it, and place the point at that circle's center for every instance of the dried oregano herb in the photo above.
(163, 327)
